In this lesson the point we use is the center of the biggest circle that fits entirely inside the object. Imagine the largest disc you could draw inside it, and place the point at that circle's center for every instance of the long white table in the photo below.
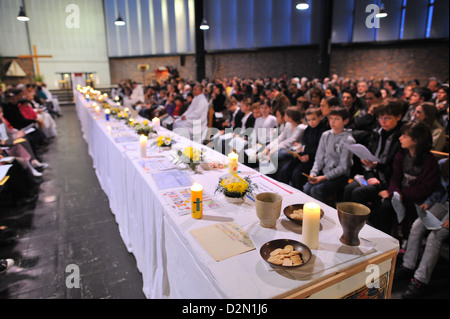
(175, 265)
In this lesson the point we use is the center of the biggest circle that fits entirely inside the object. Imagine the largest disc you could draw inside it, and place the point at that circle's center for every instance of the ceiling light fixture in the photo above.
(22, 15)
(382, 13)
(204, 25)
(119, 22)
(302, 5)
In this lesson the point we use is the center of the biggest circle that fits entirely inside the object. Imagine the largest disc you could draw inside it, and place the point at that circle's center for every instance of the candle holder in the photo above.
(353, 217)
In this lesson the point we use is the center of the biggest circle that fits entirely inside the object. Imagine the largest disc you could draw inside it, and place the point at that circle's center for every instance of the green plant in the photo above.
(39, 78)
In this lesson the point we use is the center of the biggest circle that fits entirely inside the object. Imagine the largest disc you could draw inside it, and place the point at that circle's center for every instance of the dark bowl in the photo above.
(267, 248)
(288, 210)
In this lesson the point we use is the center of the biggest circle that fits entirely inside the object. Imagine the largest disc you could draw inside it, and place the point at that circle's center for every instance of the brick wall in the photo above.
(400, 62)
(255, 64)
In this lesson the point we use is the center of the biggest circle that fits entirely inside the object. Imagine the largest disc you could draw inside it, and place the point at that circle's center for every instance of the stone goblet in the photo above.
(353, 217)
(268, 208)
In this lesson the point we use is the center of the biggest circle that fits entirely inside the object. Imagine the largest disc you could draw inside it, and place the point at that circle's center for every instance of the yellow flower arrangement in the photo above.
(190, 156)
(164, 141)
(235, 186)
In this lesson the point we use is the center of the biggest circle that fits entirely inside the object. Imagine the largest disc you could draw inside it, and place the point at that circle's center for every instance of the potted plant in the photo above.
(235, 188)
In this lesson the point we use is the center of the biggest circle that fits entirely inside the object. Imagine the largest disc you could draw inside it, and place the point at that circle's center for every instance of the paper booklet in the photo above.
(430, 221)
(224, 240)
(362, 152)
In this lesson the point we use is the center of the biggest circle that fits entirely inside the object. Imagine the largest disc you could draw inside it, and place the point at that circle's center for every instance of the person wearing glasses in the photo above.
(384, 144)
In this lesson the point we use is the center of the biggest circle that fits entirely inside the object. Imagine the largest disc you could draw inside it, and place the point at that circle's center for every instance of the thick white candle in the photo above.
(143, 140)
(233, 163)
(156, 122)
(311, 225)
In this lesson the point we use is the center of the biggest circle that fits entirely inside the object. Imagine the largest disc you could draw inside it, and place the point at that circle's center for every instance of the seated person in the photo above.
(22, 149)
(442, 105)
(197, 111)
(384, 144)
(276, 150)
(264, 124)
(20, 184)
(420, 274)
(16, 120)
(30, 108)
(420, 95)
(414, 176)
(326, 105)
(293, 170)
(352, 104)
(233, 116)
(333, 162)
(427, 113)
(180, 105)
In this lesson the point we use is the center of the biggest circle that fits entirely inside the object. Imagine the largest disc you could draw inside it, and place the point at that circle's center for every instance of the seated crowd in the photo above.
(304, 126)
(27, 125)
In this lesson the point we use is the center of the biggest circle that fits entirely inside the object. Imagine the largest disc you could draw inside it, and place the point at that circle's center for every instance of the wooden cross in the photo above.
(35, 57)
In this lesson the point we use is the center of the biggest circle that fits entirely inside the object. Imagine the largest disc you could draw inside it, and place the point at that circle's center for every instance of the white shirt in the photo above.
(289, 136)
(137, 94)
(198, 110)
(263, 128)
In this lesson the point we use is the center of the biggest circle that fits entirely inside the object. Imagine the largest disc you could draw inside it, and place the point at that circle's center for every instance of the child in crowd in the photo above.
(437, 204)
(292, 171)
(414, 176)
(264, 123)
(276, 150)
(333, 161)
(384, 144)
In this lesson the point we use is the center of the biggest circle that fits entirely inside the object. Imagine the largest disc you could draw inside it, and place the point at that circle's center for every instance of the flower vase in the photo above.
(234, 200)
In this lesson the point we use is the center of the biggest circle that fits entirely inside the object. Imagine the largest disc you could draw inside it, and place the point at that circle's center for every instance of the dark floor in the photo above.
(71, 224)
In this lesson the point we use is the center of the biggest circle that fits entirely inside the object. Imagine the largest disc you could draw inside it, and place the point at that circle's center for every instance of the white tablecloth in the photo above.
(172, 261)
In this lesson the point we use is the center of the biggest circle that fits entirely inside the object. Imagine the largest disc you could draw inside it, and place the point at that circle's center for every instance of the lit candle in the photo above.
(126, 110)
(156, 122)
(197, 201)
(107, 112)
(311, 225)
(232, 163)
(97, 109)
(143, 140)
(87, 97)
